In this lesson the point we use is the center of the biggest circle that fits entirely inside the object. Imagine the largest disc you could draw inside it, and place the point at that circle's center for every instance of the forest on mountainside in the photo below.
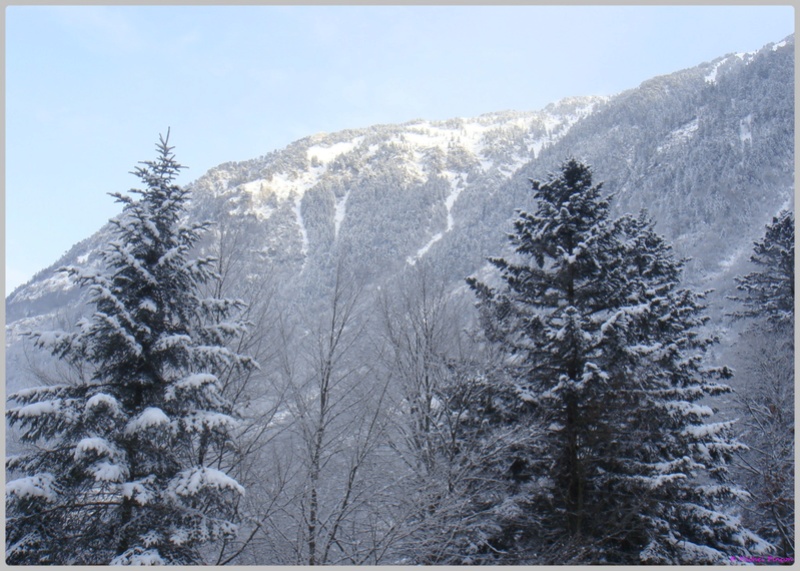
(562, 336)
(562, 411)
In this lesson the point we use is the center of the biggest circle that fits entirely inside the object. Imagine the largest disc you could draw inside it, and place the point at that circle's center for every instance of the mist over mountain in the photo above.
(708, 151)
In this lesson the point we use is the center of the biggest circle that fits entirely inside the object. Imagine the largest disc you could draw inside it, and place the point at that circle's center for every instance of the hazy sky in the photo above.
(89, 88)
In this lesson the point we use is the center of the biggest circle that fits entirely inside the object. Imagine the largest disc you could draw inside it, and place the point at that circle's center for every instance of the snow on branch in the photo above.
(171, 341)
(139, 556)
(195, 480)
(201, 421)
(35, 394)
(113, 323)
(36, 409)
(37, 486)
(191, 383)
(139, 491)
(108, 472)
(101, 401)
(174, 253)
(149, 418)
(94, 446)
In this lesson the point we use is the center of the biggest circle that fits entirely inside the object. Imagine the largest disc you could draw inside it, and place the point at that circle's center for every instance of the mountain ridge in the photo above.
(391, 195)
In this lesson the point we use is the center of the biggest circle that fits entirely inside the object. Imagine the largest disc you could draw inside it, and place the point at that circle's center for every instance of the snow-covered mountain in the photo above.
(393, 189)
(709, 151)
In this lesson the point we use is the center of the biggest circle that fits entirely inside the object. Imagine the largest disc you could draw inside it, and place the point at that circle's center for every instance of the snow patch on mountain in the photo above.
(326, 153)
(746, 129)
(256, 189)
(457, 186)
(303, 232)
(58, 282)
(680, 135)
(339, 213)
(284, 184)
(711, 76)
(478, 136)
(779, 45)
(500, 142)
(412, 260)
(746, 57)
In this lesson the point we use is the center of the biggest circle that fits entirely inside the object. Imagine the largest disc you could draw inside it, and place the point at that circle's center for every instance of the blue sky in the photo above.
(89, 88)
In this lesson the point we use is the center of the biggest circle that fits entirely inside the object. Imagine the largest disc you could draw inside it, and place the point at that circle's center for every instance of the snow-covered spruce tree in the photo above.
(764, 360)
(608, 347)
(768, 292)
(127, 465)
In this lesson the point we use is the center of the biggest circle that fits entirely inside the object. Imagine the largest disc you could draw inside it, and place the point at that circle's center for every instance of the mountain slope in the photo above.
(708, 150)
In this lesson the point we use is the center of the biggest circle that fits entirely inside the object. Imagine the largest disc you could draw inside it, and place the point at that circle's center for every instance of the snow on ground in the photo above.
(457, 186)
(471, 135)
(411, 260)
(745, 129)
(283, 185)
(537, 145)
(299, 214)
(339, 213)
(680, 135)
(263, 212)
(418, 138)
(711, 77)
(326, 154)
(58, 282)
(279, 418)
(787, 204)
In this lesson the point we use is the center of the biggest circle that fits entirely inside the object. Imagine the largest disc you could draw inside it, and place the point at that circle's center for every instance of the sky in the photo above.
(88, 89)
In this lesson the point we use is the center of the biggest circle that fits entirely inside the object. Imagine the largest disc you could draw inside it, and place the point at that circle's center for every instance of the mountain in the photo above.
(709, 151)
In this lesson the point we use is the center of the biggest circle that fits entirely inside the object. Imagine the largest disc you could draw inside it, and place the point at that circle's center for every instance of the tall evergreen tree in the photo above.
(765, 365)
(768, 292)
(127, 465)
(608, 347)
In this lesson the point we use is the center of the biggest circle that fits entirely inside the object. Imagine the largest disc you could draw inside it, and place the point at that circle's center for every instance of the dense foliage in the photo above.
(569, 419)
(765, 365)
(608, 347)
(126, 465)
(768, 292)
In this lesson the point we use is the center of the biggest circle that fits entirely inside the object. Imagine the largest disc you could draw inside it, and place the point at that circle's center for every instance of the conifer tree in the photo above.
(608, 347)
(768, 292)
(127, 465)
(765, 365)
